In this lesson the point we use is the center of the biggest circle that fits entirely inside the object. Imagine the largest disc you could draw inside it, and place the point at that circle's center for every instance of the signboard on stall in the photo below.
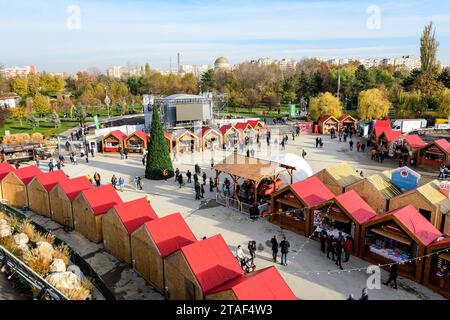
(305, 127)
(405, 178)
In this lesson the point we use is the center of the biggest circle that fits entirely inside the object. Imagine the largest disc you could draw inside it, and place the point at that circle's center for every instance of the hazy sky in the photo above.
(47, 33)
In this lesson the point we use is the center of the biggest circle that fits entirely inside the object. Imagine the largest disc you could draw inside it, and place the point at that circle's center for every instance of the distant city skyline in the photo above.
(71, 36)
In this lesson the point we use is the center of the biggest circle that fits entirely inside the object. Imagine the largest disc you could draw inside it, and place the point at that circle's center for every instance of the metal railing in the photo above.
(237, 205)
(75, 257)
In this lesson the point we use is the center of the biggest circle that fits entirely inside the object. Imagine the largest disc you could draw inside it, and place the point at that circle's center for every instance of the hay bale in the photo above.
(58, 265)
(21, 239)
(64, 280)
(3, 221)
(76, 271)
(5, 231)
(45, 250)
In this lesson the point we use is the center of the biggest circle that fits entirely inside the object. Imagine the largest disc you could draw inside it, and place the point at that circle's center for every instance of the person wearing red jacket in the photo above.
(348, 248)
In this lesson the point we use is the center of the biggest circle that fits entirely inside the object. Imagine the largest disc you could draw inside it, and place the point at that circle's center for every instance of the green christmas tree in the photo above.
(159, 165)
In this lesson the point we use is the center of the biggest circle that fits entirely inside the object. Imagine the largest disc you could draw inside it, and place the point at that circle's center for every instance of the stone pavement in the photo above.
(207, 218)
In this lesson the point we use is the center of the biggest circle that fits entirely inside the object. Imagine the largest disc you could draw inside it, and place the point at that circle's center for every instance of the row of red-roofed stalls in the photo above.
(239, 130)
(137, 142)
(328, 122)
(14, 185)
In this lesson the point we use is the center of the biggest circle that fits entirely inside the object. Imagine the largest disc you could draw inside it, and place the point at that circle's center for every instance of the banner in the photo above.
(305, 127)
(97, 123)
(292, 111)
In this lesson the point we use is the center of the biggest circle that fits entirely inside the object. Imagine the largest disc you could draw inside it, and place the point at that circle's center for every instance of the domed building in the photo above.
(222, 63)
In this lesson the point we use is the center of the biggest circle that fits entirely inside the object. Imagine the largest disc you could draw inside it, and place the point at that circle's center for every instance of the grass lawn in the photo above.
(258, 112)
(45, 127)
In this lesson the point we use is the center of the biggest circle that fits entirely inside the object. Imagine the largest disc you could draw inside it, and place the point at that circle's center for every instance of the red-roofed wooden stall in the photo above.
(120, 222)
(61, 197)
(347, 121)
(38, 191)
(197, 268)
(113, 141)
(5, 168)
(89, 207)
(137, 142)
(345, 213)
(230, 134)
(326, 123)
(262, 285)
(210, 139)
(14, 185)
(293, 206)
(436, 273)
(398, 236)
(156, 240)
(434, 154)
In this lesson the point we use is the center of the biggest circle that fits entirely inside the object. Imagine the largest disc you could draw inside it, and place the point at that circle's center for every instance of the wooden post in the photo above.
(217, 181)
(255, 185)
(235, 183)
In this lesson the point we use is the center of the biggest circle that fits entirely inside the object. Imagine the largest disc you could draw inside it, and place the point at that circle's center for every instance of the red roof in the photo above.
(391, 135)
(170, 233)
(356, 206)
(345, 116)
(253, 123)
(73, 187)
(223, 129)
(441, 242)
(312, 191)
(414, 140)
(444, 145)
(101, 199)
(134, 214)
(27, 174)
(414, 222)
(5, 168)
(211, 262)
(141, 134)
(118, 134)
(325, 118)
(380, 126)
(241, 126)
(50, 179)
(266, 284)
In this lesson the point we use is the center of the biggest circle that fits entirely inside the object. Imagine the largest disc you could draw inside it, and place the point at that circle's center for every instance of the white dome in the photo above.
(303, 169)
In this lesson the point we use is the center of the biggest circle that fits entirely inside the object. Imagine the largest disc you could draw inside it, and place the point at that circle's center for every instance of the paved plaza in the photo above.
(207, 218)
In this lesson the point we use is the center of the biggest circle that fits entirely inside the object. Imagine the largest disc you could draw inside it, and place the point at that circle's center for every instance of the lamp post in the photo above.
(107, 101)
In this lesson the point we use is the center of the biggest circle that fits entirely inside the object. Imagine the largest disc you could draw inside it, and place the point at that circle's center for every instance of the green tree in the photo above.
(411, 103)
(208, 81)
(444, 77)
(428, 50)
(19, 85)
(158, 156)
(32, 122)
(54, 119)
(409, 81)
(20, 113)
(444, 103)
(373, 104)
(325, 104)
(80, 113)
(5, 113)
(120, 109)
(41, 104)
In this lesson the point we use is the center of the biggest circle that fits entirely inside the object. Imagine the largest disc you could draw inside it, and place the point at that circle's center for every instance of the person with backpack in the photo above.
(284, 245)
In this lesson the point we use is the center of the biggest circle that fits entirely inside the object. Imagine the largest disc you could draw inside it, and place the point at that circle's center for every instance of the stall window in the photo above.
(426, 214)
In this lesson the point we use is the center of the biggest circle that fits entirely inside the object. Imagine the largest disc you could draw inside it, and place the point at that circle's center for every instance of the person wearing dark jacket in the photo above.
(323, 241)
(364, 295)
(338, 250)
(254, 212)
(274, 243)
(330, 247)
(204, 178)
(197, 191)
(284, 245)
(189, 176)
(393, 274)
(252, 249)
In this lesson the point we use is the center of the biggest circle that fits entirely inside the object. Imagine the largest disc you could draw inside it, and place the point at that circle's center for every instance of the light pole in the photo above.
(107, 100)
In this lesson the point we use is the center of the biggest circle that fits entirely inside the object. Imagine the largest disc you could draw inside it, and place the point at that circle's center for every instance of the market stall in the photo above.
(185, 141)
(14, 185)
(113, 141)
(211, 139)
(434, 154)
(397, 237)
(407, 146)
(62, 196)
(155, 241)
(230, 134)
(292, 207)
(348, 122)
(338, 177)
(436, 274)
(199, 267)
(327, 123)
(256, 125)
(428, 200)
(343, 214)
(89, 207)
(5, 168)
(120, 222)
(137, 142)
(377, 129)
(377, 190)
(38, 191)
(387, 141)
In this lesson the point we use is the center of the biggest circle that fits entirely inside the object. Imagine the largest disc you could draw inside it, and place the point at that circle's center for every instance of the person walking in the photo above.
(211, 184)
(121, 153)
(82, 152)
(58, 165)
(240, 254)
(304, 154)
(320, 143)
(144, 158)
(442, 170)
(195, 178)
(323, 240)
(393, 274)
(125, 153)
(212, 162)
(252, 249)
(348, 248)
(114, 181)
(177, 174)
(121, 183)
(330, 247)
(351, 143)
(197, 190)
(364, 295)
(274, 243)
(189, 176)
(92, 152)
(202, 191)
(37, 160)
(50, 166)
(358, 146)
(284, 245)
(75, 161)
(197, 169)
(97, 179)
(204, 178)
(338, 250)
(180, 180)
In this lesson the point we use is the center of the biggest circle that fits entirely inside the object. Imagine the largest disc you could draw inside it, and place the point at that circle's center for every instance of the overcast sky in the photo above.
(52, 35)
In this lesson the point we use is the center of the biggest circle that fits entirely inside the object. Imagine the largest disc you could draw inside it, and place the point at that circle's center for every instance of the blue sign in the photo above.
(405, 178)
